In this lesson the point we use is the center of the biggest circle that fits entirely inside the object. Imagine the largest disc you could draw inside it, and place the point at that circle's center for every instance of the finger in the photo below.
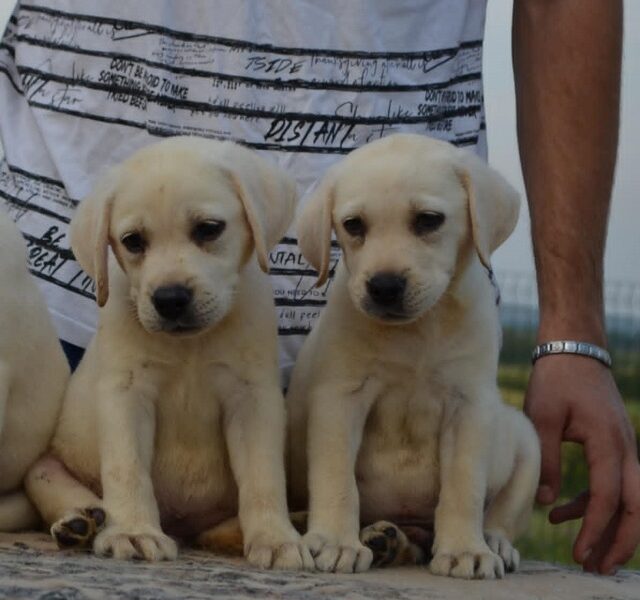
(627, 534)
(594, 558)
(550, 471)
(571, 510)
(604, 497)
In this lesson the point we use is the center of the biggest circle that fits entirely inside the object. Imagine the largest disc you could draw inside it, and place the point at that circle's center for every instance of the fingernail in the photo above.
(613, 570)
(586, 554)
(545, 494)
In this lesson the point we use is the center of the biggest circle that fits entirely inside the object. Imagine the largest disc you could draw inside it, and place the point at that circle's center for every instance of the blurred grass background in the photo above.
(544, 541)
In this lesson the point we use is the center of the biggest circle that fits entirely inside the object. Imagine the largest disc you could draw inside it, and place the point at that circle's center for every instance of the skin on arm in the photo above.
(566, 56)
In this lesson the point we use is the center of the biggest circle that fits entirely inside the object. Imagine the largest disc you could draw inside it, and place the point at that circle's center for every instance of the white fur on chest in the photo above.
(397, 470)
(191, 471)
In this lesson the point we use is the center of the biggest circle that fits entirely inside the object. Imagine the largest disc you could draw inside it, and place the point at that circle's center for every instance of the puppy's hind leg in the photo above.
(72, 511)
(17, 513)
(393, 545)
(509, 511)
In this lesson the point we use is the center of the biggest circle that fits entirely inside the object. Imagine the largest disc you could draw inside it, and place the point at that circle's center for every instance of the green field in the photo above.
(544, 541)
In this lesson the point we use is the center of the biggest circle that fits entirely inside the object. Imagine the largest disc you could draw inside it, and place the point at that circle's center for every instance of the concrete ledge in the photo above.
(31, 567)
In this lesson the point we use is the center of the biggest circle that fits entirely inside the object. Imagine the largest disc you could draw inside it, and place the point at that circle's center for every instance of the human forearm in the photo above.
(567, 70)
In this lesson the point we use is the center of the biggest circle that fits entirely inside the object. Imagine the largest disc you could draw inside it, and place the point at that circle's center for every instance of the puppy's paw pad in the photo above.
(78, 528)
(386, 541)
(468, 565)
(148, 544)
(501, 546)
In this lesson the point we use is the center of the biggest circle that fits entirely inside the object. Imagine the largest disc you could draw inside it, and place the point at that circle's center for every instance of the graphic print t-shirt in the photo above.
(85, 83)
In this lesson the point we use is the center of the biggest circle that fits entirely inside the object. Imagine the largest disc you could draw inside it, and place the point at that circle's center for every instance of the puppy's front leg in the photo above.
(459, 547)
(126, 428)
(255, 431)
(335, 427)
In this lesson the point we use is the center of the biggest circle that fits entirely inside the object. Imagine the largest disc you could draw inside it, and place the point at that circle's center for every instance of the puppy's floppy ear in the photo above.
(493, 204)
(268, 196)
(314, 225)
(89, 233)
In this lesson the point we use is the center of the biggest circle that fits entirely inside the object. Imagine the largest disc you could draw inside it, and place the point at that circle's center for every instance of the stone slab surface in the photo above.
(31, 567)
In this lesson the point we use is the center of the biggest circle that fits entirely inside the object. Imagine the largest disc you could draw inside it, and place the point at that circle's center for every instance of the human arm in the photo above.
(567, 56)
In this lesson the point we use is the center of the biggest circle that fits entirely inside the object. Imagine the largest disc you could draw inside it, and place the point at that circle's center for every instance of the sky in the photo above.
(622, 259)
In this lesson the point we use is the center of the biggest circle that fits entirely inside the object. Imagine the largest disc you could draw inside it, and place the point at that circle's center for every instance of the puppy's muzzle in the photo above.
(172, 302)
(386, 290)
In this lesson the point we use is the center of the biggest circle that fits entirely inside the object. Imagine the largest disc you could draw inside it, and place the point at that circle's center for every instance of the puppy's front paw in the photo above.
(147, 542)
(470, 563)
(499, 544)
(338, 556)
(284, 551)
(78, 528)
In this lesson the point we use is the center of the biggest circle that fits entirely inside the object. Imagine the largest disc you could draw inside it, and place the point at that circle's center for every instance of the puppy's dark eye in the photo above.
(354, 226)
(207, 231)
(134, 242)
(426, 222)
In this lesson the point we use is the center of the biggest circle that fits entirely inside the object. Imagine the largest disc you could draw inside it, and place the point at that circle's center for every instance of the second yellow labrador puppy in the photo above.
(174, 421)
(395, 410)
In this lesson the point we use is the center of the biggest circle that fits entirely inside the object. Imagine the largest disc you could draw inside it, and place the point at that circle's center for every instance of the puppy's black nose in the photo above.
(386, 289)
(171, 301)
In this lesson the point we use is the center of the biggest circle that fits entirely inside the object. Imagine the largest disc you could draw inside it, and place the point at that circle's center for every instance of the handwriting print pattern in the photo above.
(84, 84)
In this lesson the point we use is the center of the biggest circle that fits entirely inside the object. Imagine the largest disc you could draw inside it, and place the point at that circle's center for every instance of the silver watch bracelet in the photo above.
(571, 347)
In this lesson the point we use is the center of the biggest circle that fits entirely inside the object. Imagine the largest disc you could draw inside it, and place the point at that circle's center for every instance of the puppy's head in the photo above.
(407, 211)
(182, 217)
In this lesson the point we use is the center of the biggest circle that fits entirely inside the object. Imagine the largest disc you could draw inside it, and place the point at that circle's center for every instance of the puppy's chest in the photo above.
(398, 464)
(191, 465)
(405, 421)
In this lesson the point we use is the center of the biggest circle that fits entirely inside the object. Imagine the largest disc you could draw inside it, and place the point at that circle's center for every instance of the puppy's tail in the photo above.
(225, 538)
(17, 513)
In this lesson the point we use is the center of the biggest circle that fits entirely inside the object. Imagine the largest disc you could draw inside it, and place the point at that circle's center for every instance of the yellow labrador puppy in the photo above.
(33, 376)
(174, 421)
(394, 408)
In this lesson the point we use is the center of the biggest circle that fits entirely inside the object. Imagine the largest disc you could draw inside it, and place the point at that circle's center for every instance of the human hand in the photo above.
(574, 398)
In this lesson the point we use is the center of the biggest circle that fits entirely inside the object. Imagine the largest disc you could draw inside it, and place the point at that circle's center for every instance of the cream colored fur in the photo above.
(168, 428)
(397, 415)
(33, 375)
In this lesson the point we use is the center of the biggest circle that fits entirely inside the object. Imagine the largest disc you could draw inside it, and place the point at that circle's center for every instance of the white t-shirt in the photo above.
(85, 83)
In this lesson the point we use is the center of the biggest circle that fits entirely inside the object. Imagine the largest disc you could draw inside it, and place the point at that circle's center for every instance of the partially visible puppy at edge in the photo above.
(395, 416)
(174, 422)
(33, 376)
